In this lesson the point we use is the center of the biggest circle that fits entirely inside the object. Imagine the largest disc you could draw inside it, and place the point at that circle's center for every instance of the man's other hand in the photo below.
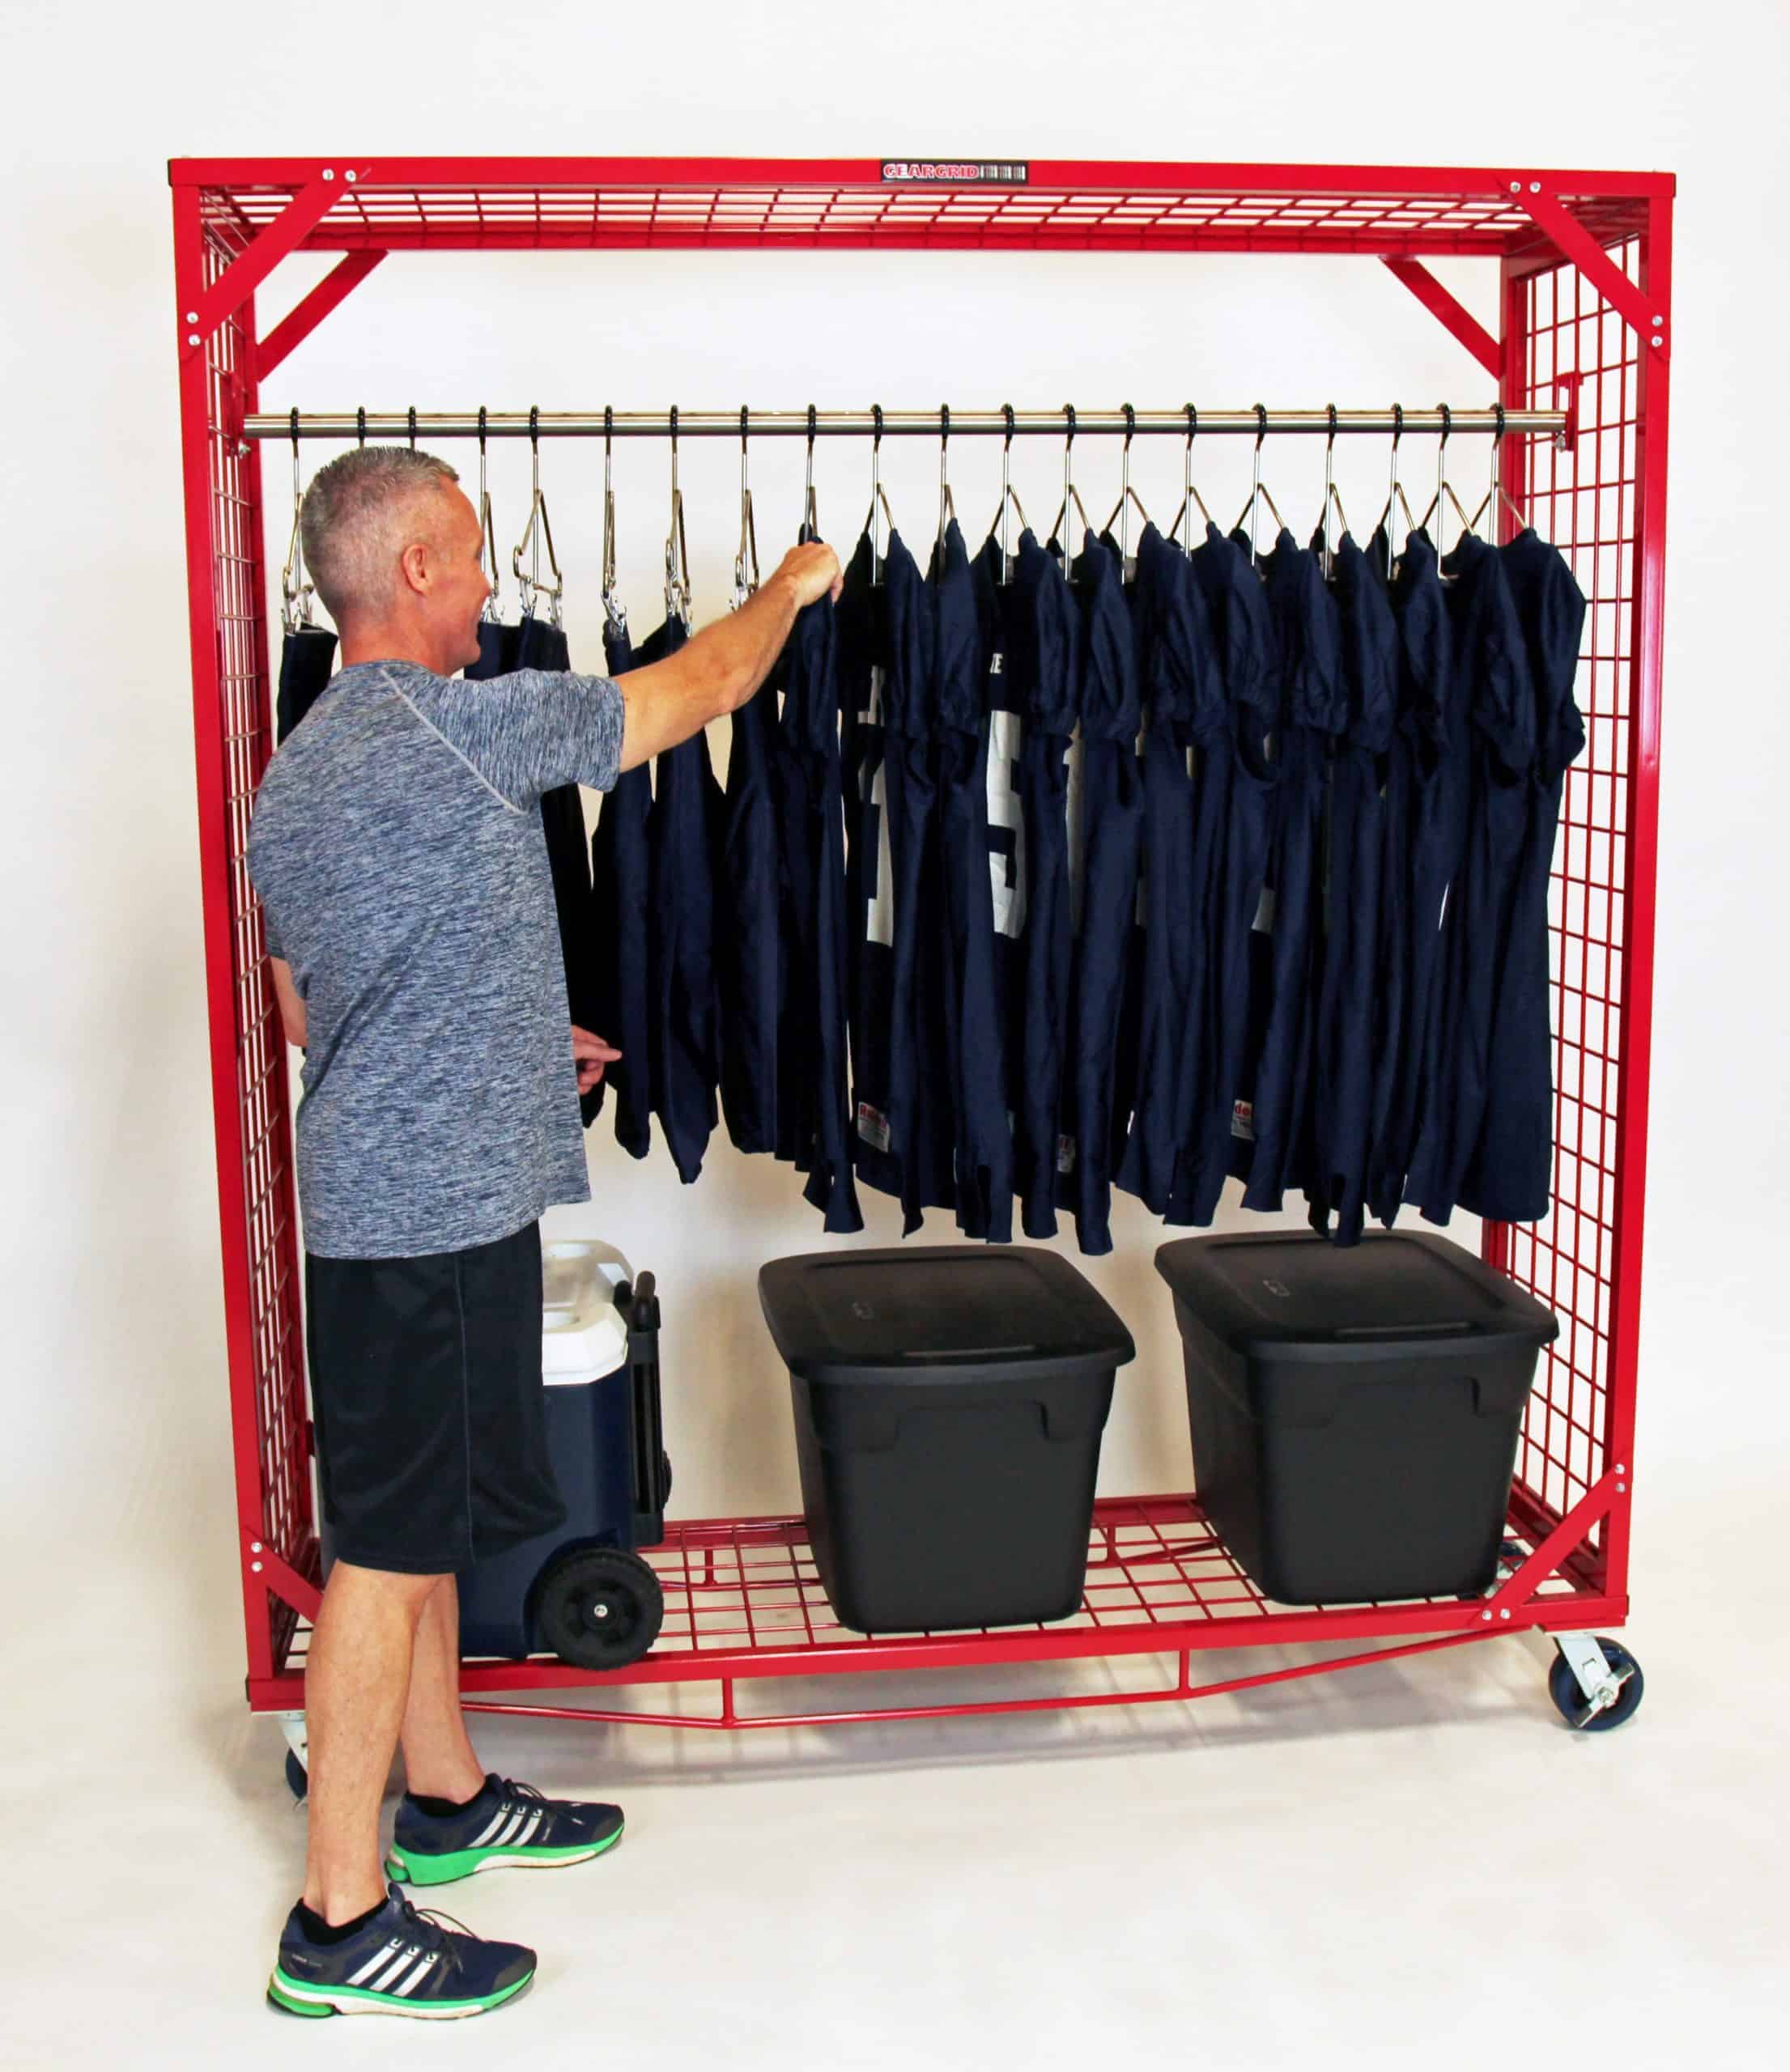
(812, 571)
(592, 1054)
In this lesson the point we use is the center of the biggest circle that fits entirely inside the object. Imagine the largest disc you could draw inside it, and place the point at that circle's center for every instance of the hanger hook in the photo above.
(1262, 425)
(412, 427)
(360, 423)
(609, 430)
(1007, 412)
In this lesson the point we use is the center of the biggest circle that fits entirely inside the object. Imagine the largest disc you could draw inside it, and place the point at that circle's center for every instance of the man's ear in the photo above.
(417, 563)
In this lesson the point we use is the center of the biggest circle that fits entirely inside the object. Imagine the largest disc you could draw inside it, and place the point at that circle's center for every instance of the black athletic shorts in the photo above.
(426, 1386)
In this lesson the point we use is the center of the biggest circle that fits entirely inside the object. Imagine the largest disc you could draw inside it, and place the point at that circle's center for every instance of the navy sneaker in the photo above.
(403, 1961)
(507, 1823)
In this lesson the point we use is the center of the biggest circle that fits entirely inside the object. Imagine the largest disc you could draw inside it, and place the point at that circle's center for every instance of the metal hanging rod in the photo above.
(413, 425)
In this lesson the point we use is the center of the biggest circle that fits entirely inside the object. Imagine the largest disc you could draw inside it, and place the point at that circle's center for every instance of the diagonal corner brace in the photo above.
(246, 273)
(334, 289)
(1575, 244)
(1442, 305)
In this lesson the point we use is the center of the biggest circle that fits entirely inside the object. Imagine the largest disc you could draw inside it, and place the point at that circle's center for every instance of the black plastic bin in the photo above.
(1354, 1413)
(949, 1404)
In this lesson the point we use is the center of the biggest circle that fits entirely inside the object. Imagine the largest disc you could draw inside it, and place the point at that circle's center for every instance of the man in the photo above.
(398, 850)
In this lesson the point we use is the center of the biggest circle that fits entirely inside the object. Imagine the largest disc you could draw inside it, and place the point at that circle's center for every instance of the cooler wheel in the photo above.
(599, 1608)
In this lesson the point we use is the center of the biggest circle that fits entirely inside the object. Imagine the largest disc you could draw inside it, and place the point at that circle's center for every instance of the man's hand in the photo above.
(812, 571)
(592, 1054)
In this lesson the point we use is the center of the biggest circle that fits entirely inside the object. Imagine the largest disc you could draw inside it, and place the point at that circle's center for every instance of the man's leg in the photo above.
(439, 1762)
(357, 1682)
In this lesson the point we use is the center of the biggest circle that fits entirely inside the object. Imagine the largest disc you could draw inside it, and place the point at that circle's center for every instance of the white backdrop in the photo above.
(113, 1407)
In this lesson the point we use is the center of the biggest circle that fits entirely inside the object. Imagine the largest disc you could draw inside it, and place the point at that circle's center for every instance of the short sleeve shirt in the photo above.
(398, 850)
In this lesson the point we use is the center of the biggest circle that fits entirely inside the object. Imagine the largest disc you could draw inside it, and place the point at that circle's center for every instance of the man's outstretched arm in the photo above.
(718, 669)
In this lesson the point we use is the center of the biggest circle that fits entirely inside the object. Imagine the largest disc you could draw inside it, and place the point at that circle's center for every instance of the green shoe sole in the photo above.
(316, 2001)
(454, 1865)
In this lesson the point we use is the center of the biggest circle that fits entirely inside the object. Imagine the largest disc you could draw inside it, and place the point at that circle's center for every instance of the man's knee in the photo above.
(411, 1593)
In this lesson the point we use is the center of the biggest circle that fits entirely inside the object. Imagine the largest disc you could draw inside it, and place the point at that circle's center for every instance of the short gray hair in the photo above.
(359, 517)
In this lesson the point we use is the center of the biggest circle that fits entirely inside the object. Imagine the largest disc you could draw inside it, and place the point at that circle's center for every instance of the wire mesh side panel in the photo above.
(244, 719)
(1584, 500)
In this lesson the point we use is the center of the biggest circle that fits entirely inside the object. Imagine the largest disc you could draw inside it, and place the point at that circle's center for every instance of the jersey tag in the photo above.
(1065, 1154)
(872, 1126)
(1264, 922)
(1243, 1120)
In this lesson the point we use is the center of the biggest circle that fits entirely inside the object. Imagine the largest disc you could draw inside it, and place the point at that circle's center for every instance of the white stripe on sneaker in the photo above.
(511, 1828)
(407, 1985)
(402, 1963)
(501, 1819)
(527, 1834)
(378, 1961)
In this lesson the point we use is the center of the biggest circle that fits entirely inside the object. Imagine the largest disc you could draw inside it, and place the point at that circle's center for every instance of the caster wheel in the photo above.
(1570, 1700)
(297, 1778)
(599, 1608)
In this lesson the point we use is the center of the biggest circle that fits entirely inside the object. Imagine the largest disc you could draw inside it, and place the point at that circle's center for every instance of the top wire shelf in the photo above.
(573, 204)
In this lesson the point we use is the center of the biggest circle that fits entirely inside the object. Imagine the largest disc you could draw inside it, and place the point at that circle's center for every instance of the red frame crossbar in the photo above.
(1585, 262)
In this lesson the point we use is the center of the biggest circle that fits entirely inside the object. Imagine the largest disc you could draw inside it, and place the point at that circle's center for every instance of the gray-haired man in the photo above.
(398, 850)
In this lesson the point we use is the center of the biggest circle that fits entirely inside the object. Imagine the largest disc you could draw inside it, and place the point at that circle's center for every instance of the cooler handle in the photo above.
(1459, 1330)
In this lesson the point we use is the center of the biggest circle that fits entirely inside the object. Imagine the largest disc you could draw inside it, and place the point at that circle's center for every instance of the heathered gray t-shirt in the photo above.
(398, 848)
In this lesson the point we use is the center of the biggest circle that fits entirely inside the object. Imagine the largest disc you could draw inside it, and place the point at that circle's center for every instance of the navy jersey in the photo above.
(622, 909)
(974, 1032)
(1112, 820)
(1247, 643)
(1412, 882)
(1343, 1055)
(749, 945)
(1507, 1178)
(813, 1120)
(1491, 673)
(1272, 1153)
(1050, 644)
(1006, 636)
(542, 646)
(1181, 691)
(307, 662)
(891, 1153)
(682, 837)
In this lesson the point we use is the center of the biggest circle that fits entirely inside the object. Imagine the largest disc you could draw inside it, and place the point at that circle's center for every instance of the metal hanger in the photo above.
(1009, 497)
(1258, 491)
(878, 497)
(296, 591)
(1444, 487)
(810, 515)
(947, 503)
(612, 604)
(677, 550)
(1070, 494)
(1395, 493)
(1129, 498)
(745, 562)
(490, 568)
(1189, 494)
(536, 532)
(1496, 493)
(1332, 498)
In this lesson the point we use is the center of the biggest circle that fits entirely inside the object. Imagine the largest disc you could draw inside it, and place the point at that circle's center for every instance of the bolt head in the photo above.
(192, 316)
(328, 174)
(193, 337)
(1517, 187)
(256, 1567)
(1535, 187)
(350, 175)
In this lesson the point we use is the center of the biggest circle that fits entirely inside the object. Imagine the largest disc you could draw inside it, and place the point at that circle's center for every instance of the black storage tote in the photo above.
(1354, 1413)
(949, 1404)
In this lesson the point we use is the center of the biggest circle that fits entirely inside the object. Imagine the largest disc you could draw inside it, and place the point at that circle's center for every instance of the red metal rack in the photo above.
(1584, 260)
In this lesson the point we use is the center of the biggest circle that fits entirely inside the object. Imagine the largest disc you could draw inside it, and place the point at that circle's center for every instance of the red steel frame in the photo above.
(1585, 262)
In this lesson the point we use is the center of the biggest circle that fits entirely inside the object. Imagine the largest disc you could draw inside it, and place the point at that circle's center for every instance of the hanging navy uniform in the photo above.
(621, 910)
(1050, 641)
(1246, 641)
(749, 946)
(1412, 882)
(814, 1117)
(307, 662)
(1343, 1053)
(1181, 690)
(1112, 812)
(1006, 637)
(964, 953)
(542, 646)
(500, 651)
(1508, 1179)
(1491, 673)
(682, 836)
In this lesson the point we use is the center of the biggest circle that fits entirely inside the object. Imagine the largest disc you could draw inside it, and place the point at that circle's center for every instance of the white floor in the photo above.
(1405, 1865)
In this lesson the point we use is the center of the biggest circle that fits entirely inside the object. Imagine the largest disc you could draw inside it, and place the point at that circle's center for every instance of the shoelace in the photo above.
(439, 1930)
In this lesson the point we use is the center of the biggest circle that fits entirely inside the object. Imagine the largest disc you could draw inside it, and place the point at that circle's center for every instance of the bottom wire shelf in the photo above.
(744, 1601)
